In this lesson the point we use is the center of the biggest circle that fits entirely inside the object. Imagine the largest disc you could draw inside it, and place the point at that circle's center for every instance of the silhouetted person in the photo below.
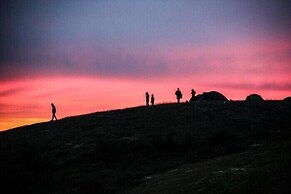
(54, 110)
(178, 94)
(147, 98)
(193, 92)
(152, 100)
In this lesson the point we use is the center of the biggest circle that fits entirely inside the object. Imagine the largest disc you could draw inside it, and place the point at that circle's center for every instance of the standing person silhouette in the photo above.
(147, 98)
(54, 110)
(178, 94)
(152, 100)
(193, 92)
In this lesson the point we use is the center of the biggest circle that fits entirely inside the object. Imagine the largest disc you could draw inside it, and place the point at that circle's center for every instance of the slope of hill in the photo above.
(146, 149)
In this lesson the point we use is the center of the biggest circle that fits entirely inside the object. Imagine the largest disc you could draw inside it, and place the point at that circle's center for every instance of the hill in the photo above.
(207, 147)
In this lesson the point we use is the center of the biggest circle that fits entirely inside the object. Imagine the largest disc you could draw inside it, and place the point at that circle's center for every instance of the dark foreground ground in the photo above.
(206, 147)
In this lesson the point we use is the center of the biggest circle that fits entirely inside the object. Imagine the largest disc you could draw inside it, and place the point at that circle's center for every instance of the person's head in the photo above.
(178, 89)
(52, 104)
(147, 93)
(152, 95)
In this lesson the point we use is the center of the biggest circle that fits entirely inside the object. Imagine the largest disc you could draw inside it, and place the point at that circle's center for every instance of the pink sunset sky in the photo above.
(88, 56)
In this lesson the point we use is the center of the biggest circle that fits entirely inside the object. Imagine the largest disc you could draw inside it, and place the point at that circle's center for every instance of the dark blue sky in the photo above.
(43, 35)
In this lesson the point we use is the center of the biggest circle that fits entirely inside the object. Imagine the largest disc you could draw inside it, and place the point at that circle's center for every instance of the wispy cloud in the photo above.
(133, 62)
(12, 91)
(255, 86)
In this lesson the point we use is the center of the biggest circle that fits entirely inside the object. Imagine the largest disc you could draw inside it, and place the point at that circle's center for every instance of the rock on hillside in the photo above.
(255, 98)
(212, 96)
(287, 99)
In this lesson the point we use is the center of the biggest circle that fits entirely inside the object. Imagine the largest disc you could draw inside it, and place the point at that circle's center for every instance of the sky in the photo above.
(88, 56)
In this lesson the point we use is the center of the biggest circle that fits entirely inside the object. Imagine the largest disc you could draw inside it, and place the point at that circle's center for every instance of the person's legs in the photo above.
(54, 117)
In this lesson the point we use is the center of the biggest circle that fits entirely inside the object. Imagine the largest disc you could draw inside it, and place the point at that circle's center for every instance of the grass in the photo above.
(117, 151)
(258, 170)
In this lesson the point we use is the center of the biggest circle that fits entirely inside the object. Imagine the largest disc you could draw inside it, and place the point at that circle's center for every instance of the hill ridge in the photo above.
(111, 151)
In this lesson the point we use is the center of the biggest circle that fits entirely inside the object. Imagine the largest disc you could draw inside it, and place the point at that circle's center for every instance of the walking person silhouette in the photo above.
(54, 110)
(147, 98)
(178, 94)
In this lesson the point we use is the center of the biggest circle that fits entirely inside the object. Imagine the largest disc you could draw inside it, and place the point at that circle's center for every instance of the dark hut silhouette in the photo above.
(211, 96)
(254, 98)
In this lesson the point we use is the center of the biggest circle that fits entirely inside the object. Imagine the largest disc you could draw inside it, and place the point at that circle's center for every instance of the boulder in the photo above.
(212, 96)
(195, 98)
(287, 99)
(254, 98)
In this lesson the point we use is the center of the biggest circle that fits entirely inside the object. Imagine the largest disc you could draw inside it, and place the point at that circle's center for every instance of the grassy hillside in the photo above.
(206, 147)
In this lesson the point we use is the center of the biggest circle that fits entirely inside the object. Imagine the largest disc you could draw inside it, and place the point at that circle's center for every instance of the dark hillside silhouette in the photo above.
(171, 148)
